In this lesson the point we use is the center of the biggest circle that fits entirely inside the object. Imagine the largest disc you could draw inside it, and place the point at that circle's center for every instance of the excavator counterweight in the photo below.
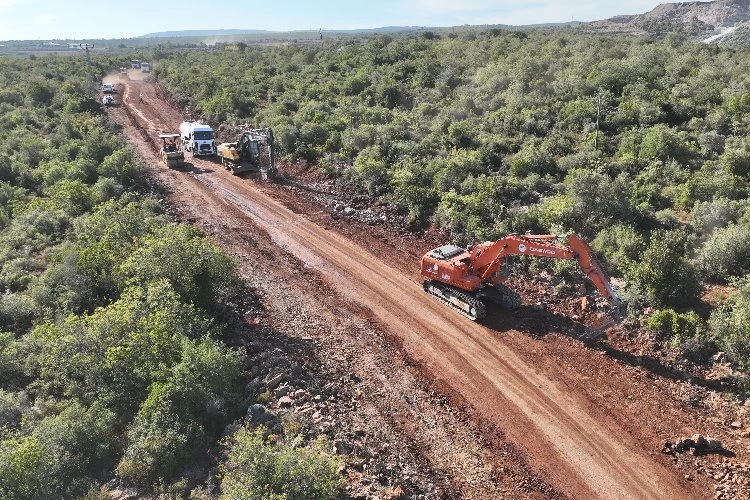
(464, 278)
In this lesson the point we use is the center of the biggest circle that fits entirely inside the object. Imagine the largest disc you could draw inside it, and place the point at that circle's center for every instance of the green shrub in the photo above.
(23, 474)
(663, 271)
(10, 409)
(725, 254)
(620, 246)
(533, 160)
(598, 200)
(161, 441)
(716, 213)
(17, 312)
(677, 328)
(195, 267)
(372, 171)
(729, 325)
(259, 468)
(663, 143)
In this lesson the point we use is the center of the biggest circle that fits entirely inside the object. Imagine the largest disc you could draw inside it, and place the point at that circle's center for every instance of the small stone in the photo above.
(396, 493)
(348, 211)
(736, 424)
(275, 381)
(585, 303)
(282, 391)
(256, 412)
(299, 393)
(341, 447)
(285, 402)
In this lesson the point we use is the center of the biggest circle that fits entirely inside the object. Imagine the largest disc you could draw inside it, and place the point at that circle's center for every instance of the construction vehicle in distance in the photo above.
(171, 150)
(464, 278)
(135, 64)
(108, 100)
(252, 151)
(145, 67)
(198, 138)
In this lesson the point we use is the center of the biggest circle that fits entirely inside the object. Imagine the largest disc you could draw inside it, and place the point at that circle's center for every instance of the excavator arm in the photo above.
(593, 269)
(486, 258)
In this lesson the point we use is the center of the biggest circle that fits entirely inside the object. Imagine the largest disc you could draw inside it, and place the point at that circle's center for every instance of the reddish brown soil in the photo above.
(523, 405)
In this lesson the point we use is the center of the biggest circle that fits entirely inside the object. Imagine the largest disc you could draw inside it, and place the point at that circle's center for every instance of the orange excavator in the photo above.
(464, 278)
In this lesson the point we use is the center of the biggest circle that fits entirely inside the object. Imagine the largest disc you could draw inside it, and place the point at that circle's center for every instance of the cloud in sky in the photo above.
(7, 4)
(464, 6)
(44, 20)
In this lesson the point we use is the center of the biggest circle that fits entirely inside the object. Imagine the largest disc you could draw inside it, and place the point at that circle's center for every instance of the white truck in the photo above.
(198, 138)
(145, 67)
(108, 88)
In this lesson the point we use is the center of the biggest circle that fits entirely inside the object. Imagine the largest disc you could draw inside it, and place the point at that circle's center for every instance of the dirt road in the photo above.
(583, 442)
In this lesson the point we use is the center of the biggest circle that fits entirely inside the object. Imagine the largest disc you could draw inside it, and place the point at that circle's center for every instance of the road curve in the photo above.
(579, 451)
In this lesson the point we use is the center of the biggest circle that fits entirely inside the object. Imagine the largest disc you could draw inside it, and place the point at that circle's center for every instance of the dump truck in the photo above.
(171, 150)
(252, 151)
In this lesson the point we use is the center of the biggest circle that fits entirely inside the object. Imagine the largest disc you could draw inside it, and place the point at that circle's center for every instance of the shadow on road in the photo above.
(191, 168)
(539, 323)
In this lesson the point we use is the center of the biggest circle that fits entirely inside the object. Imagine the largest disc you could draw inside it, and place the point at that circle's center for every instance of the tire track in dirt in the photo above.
(581, 454)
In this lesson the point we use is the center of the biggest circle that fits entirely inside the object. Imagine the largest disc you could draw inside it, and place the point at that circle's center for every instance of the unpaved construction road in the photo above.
(584, 423)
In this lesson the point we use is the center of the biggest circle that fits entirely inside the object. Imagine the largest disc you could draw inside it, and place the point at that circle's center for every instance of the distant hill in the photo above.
(234, 32)
(693, 17)
(184, 33)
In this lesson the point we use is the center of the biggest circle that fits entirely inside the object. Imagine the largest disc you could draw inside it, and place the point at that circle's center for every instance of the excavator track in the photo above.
(502, 296)
(462, 302)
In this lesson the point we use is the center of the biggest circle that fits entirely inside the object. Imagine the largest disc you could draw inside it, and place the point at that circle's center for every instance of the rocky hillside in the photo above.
(695, 18)
(737, 39)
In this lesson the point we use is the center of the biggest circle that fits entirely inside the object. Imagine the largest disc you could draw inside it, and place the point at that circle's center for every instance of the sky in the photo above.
(78, 19)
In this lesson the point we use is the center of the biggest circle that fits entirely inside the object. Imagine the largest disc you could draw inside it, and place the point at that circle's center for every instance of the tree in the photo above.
(664, 271)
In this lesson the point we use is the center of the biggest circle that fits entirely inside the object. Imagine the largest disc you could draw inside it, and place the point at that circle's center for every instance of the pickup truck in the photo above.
(108, 88)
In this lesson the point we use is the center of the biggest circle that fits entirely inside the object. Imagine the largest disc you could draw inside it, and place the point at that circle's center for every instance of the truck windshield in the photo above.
(203, 135)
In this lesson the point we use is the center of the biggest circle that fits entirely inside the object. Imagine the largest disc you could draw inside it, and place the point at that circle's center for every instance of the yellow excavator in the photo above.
(252, 151)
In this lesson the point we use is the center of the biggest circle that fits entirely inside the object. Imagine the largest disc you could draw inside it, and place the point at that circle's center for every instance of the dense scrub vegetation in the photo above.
(111, 356)
(638, 145)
